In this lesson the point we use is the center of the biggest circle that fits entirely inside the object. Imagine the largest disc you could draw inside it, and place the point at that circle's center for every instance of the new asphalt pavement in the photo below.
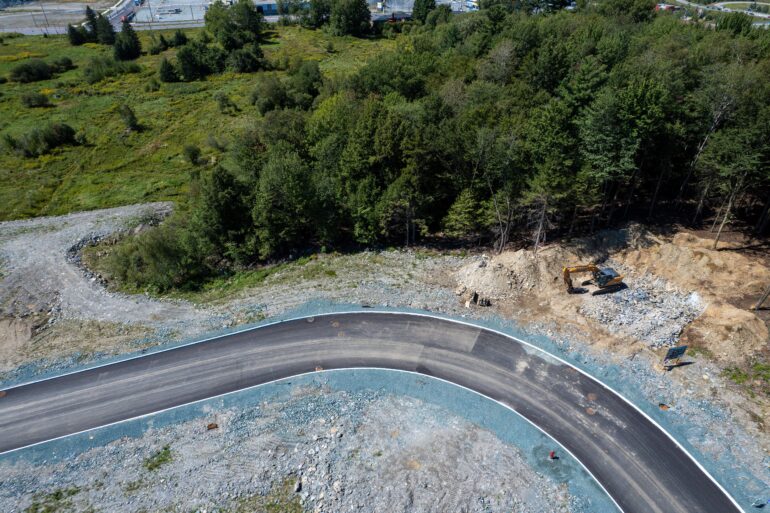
(635, 461)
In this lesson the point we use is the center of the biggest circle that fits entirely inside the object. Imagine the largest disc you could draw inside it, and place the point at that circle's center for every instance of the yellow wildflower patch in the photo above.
(20, 56)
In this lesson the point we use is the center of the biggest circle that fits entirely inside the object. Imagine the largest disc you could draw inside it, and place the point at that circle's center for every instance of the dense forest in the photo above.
(482, 128)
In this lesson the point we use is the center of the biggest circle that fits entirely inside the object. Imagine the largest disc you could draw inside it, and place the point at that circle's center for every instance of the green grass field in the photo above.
(115, 168)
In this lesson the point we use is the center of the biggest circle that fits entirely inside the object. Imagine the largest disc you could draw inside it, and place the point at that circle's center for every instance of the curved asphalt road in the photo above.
(636, 462)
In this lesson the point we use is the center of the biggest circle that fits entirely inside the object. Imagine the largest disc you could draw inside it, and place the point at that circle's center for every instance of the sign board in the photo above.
(673, 355)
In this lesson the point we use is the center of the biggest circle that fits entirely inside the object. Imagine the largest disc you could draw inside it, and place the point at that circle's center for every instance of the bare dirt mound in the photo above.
(689, 262)
(675, 285)
(724, 278)
(15, 333)
(515, 273)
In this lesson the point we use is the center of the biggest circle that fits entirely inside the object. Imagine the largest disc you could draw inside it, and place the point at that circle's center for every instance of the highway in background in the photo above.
(642, 468)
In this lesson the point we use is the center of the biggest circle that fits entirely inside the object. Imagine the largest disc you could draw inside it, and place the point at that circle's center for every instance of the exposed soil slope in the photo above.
(678, 290)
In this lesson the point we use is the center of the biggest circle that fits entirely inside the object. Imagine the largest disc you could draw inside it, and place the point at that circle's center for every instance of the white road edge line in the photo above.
(392, 312)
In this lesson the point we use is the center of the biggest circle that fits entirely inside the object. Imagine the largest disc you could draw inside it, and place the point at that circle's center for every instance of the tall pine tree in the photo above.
(91, 24)
(127, 45)
(105, 34)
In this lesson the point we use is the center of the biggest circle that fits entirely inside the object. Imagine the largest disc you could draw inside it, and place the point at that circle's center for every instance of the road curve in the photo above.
(637, 463)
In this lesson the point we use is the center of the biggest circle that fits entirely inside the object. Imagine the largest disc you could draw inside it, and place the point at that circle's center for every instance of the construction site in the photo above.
(670, 289)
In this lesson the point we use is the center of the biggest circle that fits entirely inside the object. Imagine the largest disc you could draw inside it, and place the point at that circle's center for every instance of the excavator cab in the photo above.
(606, 279)
(603, 277)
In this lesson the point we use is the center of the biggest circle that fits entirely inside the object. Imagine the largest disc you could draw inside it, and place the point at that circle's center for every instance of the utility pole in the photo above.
(35, 22)
(45, 17)
(150, 9)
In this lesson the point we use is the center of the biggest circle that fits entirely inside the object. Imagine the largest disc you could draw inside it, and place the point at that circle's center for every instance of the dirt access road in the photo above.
(41, 285)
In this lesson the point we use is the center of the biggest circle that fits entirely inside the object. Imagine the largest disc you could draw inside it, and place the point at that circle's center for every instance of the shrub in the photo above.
(63, 64)
(3, 80)
(245, 60)
(158, 45)
(215, 143)
(128, 117)
(226, 105)
(167, 72)
(80, 138)
(34, 100)
(160, 259)
(152, 85)
(40, 141)
(195, 60)
(99, 68)
(158, 459)
(269, 94)
(33, 70)
(192, 154)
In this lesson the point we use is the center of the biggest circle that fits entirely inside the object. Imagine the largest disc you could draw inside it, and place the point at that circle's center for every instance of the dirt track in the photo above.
(40, 287)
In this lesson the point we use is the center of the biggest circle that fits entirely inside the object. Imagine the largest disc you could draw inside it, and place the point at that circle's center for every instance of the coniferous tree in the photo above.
(91, 24)
(105, 33)
(462, 218)
(422, 8)
(167, 72)
(76, 35)
(127, 45)
(179, 39)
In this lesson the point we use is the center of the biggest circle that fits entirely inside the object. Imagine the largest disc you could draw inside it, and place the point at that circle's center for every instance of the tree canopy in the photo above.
(506, 123)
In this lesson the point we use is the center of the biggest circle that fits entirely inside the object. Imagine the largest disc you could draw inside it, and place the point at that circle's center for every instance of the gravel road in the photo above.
(40, 279)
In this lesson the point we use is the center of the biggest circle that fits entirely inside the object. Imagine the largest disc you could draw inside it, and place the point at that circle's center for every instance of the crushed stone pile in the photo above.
(648, 310)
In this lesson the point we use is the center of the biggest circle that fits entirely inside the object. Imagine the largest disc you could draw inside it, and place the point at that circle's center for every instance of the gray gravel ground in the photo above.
(333, 450)
(650, 310)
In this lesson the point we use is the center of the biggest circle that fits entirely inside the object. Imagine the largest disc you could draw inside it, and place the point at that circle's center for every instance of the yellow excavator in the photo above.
(606, 279)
